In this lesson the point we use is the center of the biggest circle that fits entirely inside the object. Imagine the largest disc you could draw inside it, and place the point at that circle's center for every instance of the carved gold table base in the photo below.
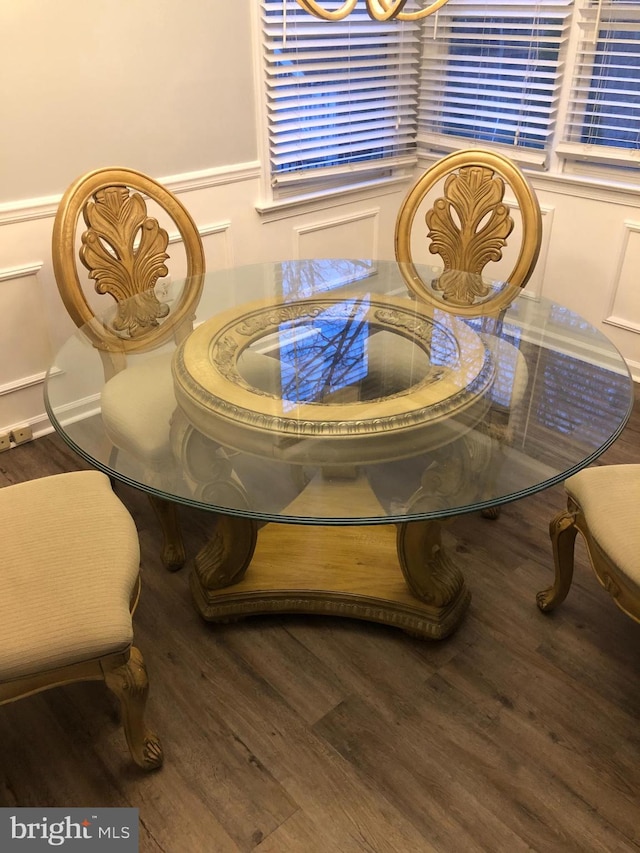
(401, 576)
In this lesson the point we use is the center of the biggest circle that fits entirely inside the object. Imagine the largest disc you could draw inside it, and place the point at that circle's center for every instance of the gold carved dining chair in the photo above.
(69, 582)
(602, 505)
(468, 225)
(461, 199)
(123, 249)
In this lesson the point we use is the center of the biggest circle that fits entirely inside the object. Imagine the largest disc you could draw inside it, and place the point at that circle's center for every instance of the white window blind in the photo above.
(341, 96)
(603, 121)
(491, 72)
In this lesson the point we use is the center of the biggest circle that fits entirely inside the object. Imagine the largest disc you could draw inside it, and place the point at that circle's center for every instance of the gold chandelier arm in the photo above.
(315, 9)
(410, 16)
(380, 10)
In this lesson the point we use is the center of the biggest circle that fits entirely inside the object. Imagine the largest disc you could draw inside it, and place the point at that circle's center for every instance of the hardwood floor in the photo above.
(296, 735)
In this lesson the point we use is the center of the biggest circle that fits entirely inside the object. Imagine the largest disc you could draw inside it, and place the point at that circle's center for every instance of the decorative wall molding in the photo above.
(272, 211)
(223, 228)
(336, 222)
(634, 369)
(628, 325)
(582, 187)
(215, 177)
(535, 284)
(204, 231)
(13, 212)
(615, 317)
(547, 211)
(25, 382)
(11, 273)
(76, 411)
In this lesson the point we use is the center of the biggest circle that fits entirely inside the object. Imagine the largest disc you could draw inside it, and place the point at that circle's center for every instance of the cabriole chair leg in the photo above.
(130, 684)
(563, 532)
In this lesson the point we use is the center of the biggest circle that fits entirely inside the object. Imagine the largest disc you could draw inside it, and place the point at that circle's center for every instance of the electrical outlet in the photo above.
(21, 434)
(5, 441)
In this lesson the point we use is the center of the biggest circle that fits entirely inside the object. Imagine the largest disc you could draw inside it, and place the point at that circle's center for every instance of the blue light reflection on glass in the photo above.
(305, 279)
(321, 357)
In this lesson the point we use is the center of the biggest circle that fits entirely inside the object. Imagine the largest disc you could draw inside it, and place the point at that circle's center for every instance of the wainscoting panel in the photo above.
(218, 249)
(625, 302)
(23, 327)
(534, 286)
(346, 236)
(26, 344)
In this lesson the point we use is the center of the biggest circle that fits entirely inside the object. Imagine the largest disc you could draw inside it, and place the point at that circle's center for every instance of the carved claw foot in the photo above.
(490, 512)
(173, 558)
(130, 684)
(173, 551)
(152, 755)
(544, 599)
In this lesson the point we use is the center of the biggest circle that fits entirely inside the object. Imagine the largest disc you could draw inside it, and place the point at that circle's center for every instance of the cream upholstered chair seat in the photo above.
(68, 579)
(609, 497)
(142, 429)
(604, 506)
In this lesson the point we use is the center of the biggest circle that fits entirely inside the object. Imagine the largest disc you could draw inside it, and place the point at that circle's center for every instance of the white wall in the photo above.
(161, 86)
(167, 88)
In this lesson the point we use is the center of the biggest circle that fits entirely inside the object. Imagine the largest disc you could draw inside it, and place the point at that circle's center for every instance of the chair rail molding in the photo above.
(23, 382)
(26, 210)
(11, 273)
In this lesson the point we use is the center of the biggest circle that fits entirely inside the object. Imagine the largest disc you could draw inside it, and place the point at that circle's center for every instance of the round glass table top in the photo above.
(325, 391)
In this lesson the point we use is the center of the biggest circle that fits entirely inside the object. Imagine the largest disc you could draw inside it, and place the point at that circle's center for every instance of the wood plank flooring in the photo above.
(309, 735)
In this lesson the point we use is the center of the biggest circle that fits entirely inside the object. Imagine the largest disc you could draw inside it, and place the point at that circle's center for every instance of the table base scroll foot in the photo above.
(331, 571)
(225, 557)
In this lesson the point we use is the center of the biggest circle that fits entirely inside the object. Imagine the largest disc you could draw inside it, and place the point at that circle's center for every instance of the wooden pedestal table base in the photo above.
(337, 571)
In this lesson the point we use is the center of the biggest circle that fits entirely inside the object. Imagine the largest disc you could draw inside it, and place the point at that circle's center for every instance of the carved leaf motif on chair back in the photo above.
(124, 250)
(468, 226)
(466, 243)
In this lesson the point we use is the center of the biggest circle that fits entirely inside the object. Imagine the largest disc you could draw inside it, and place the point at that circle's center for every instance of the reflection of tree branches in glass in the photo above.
(327, 355)
(305, 279)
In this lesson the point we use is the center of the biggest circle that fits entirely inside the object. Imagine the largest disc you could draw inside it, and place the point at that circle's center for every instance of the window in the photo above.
(354, 100)
(491, 73)
(604, 116)
(341, 96)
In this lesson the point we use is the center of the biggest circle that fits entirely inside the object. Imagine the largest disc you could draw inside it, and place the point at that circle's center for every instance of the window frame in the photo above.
(309, 183)
(434, 141)
(562, 161)
(590, 158)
